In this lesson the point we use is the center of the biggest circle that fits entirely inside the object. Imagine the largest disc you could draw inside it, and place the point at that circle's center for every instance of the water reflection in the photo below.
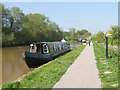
(13, 66)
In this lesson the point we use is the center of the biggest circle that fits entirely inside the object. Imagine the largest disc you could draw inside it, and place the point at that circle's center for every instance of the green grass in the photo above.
(47, 75)
(103, 65)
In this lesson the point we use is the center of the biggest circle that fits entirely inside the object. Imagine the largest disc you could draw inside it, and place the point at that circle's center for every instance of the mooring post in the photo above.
(106, 47)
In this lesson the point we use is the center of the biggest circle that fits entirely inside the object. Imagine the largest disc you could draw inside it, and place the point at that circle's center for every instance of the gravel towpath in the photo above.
(83, 73)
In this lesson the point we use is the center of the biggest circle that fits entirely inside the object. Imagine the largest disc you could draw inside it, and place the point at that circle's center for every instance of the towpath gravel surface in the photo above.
(83, 73)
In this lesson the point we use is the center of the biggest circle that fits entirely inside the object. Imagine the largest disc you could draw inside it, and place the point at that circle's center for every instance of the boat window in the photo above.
(60, 47)
(45, 49)
(57, 47)
(54, 48)
(51, 48)
(65, 45)
(38, 50)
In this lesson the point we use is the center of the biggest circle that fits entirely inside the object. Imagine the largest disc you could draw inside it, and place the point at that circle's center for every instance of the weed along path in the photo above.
(83, 73)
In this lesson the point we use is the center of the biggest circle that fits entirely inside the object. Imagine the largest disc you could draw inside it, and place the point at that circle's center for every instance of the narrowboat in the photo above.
(43, 52)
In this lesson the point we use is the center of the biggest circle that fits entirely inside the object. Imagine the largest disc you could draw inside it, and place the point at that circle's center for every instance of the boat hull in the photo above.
(33, 60)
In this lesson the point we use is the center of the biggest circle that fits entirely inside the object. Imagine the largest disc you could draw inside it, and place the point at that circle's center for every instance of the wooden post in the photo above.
(106, 47)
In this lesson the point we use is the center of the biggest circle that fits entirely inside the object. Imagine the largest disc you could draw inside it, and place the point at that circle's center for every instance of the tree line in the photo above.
(20, 29)
(113, 36)
(73, 34)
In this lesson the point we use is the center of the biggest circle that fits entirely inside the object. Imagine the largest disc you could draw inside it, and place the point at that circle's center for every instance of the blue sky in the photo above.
(93, 16)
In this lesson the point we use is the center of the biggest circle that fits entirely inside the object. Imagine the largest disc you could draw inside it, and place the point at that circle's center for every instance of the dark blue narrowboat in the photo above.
(42, 52)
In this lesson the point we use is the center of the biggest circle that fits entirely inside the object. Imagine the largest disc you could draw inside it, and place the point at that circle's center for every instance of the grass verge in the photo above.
(47, 75)
(108, 68)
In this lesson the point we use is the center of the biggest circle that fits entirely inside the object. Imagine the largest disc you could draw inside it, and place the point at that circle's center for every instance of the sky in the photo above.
(93, 16)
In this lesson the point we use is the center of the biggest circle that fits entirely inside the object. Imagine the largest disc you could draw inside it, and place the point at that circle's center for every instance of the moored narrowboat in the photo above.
(42, 52)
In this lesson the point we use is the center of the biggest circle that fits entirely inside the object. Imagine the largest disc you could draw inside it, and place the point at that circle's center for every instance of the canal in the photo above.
(13, 64)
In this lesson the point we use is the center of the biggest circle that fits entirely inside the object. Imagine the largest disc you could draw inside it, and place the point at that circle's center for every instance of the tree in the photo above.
(66, 35)
(7, 39)
(99, 37)
(72, 33)
(114, 35)
(11, 24)
(5, 19)
(40, 28)
(33, 25)
(20, 29)
(83, 32)
(12, 19)
(15, 17)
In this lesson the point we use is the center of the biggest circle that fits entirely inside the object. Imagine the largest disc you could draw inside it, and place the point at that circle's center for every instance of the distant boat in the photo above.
(83, 41)
(42, 52)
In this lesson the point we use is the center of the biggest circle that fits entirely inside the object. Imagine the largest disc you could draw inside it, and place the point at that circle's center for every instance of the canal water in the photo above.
(13, 64)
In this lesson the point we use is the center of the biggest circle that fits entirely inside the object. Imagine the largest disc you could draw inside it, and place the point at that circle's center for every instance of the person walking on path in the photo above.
(83, 73)
(89, 42)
